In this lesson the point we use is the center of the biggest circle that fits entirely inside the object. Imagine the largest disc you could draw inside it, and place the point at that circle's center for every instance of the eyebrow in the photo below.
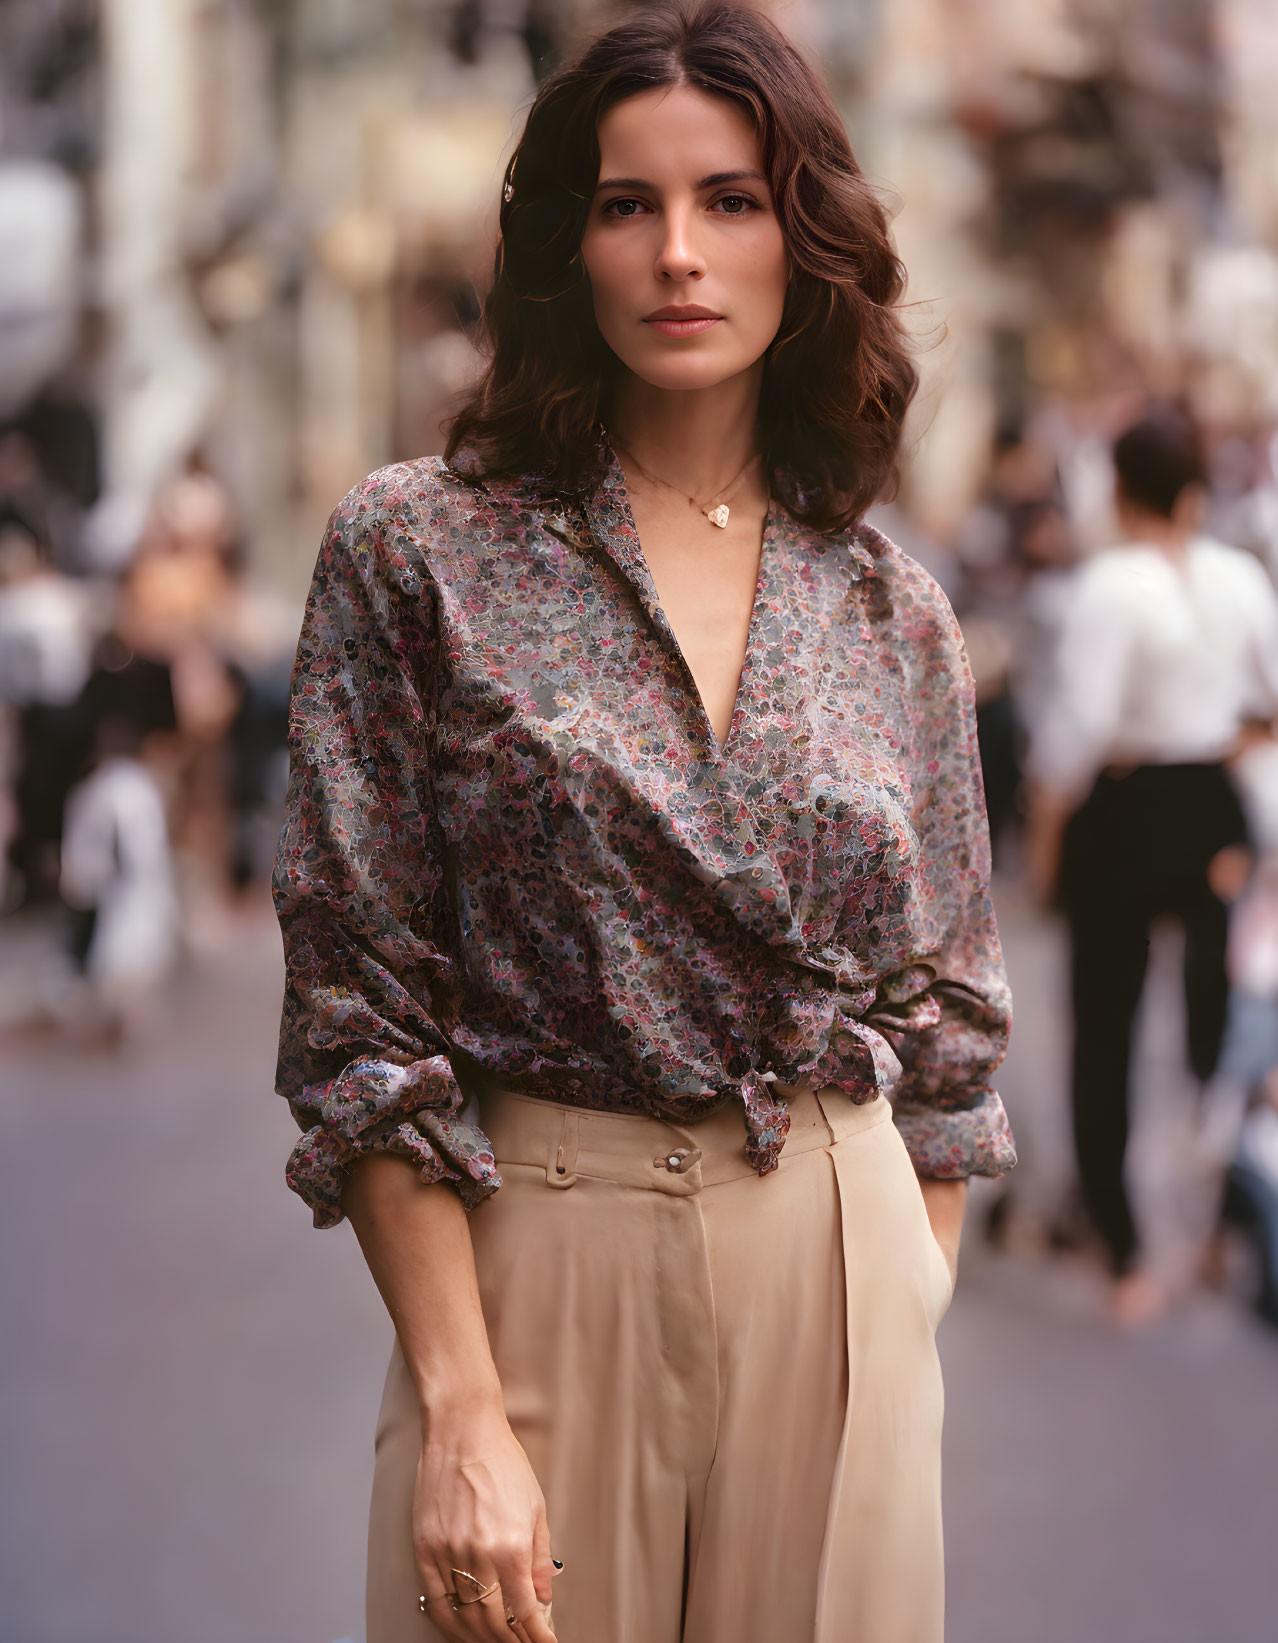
(716, 179)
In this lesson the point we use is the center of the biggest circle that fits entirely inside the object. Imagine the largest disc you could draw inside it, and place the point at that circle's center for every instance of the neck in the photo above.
(1172, 536)
(695, 439)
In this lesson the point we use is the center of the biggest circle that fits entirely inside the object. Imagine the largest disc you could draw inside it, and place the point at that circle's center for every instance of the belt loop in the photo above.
(561, 1163)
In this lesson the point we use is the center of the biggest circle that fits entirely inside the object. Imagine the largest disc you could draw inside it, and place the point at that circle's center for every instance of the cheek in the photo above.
(765, 274)
(774, 270)
(608, 270)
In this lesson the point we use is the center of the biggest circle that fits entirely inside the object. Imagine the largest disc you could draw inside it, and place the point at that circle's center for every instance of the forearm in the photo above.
(416, 1241)
(1049, 813)
(945, 1202)
(477, 1505)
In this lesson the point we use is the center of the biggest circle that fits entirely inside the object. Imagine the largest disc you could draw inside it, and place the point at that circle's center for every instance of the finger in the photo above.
(535, 1627)
(448, 1615)
(481, 1619)
(531, 1627)
(543, 1567)
(516, 1626)
(528, 1606)
(437, 1592)
(495, 1610)
(514, 1571)
(486, 1619)
(434, 1585)
(524, 1599)
(442, 1615)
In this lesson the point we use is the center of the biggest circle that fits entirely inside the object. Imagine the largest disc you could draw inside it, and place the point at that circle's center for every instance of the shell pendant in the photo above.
(719, 516)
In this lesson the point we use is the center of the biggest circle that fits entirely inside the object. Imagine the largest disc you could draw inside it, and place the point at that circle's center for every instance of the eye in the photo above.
(614, 208)
(736, 205)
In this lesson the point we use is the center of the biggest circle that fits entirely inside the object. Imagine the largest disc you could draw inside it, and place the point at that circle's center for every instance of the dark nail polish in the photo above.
(558, 1565)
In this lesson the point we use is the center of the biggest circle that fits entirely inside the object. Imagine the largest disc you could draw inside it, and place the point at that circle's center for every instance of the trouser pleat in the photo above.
(882, 1565)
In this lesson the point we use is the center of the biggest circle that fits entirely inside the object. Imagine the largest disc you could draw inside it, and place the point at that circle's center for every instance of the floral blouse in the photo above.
(515, 851)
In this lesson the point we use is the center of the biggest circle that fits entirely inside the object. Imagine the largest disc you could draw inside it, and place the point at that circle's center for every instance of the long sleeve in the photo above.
(948, 1011)
(363, 1062)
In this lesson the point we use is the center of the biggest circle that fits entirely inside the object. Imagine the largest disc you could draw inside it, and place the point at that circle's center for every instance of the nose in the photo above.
(679, 257)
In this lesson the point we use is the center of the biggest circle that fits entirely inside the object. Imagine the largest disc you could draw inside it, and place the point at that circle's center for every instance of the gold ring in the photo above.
(481, 1594)
(481, 1591)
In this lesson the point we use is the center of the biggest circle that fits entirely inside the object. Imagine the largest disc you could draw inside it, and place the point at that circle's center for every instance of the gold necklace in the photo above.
(720, 513)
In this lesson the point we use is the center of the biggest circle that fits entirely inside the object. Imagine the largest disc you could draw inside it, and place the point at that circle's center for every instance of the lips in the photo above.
(682, 321)
(685, 310)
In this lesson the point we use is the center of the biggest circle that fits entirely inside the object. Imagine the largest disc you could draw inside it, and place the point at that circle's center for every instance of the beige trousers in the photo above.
(726, 1384)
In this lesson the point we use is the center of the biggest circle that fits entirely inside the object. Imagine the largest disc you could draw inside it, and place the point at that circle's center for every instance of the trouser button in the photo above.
(679, 1161)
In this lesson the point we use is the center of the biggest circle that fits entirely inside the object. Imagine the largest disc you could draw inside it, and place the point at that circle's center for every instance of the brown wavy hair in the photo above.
(838, 377)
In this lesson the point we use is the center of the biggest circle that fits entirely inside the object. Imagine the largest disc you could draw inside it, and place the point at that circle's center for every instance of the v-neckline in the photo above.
(638, 564)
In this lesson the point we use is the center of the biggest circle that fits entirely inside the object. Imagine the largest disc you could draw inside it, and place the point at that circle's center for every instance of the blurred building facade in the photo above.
(257, 228)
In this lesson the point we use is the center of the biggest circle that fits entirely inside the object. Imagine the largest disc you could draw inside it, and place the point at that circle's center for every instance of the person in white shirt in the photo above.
(118, 867)
(1168, 650)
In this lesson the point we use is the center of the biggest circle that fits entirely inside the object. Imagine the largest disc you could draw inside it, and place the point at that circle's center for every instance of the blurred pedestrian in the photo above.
(1043, 548)
(177, 601)
(117, 874)
(1251, 1192)
(1169, 647)
(258, 746)
(54, 517)
(1240, 1128)
(45, 637)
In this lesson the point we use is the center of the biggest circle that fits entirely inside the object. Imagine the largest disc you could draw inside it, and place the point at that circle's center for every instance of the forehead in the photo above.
(676, 131)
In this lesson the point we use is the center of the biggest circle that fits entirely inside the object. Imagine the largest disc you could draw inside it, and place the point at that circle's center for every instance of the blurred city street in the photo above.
(245, 248)
(190, 1373)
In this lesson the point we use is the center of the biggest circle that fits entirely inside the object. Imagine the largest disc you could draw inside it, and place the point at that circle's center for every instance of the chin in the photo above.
(686, 375)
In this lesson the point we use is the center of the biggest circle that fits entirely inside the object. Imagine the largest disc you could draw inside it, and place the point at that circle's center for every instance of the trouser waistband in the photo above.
(574, 1143)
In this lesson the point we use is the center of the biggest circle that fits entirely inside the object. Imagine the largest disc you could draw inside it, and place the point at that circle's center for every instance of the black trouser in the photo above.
(1251, 1203)
(1137, 849)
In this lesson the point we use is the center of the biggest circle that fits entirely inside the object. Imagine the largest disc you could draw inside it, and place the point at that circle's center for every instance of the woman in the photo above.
(1168, 648)
(622, 883)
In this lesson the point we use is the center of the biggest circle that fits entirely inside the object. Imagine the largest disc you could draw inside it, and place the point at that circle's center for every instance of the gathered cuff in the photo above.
(363, 1112)
(951, 1142)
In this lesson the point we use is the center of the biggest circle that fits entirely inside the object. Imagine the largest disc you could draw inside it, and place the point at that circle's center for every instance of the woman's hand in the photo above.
(945, 1202)
(478, 1507)
(477, 1504)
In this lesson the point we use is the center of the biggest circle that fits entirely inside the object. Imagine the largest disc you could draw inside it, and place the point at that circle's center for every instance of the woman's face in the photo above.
(683, 220)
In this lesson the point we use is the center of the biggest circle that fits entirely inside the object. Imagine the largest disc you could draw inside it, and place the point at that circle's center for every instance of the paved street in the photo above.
(189, 1372)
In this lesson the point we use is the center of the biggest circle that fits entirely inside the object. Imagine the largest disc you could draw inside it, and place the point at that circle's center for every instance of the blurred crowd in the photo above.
(143, 733)
(1126, 664)
(241, 246)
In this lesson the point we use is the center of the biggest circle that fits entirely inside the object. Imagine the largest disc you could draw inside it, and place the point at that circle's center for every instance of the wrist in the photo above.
(945, 1202)
(446, 1403)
